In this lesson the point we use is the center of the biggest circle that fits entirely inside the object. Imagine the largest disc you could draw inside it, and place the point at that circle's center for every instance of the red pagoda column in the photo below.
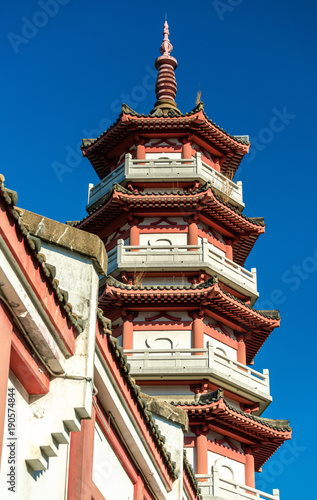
(241, 352)
(127, 332)
(186, 148)
(192, 232)
(201, 455)
(134, 235)
(249, 468)
(140, 149)
(198, 331)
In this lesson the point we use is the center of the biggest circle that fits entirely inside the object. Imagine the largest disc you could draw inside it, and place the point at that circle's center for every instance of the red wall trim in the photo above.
(81, 461)
(32, 374)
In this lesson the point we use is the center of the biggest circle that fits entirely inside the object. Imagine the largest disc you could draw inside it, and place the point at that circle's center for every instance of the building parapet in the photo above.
(229, 373)
(171, 170)
(194, 257)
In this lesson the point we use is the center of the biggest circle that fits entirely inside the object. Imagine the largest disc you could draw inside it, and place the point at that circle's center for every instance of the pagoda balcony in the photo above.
(184, 257)
(168, 170)
(202, 363)
(214, 486)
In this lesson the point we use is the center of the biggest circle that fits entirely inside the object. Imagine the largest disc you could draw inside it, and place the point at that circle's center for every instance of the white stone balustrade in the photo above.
(213, 485)
(209, 361)
(193, 257)
(165, 170)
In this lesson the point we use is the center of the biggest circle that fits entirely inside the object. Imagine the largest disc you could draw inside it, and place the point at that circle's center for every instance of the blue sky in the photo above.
(65, 73)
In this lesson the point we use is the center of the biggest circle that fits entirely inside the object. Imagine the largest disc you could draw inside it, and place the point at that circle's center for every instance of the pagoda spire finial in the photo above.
(166, 86)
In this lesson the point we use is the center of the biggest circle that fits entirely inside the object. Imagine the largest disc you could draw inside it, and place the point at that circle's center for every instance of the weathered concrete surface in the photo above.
(159, 407)
(67, 237)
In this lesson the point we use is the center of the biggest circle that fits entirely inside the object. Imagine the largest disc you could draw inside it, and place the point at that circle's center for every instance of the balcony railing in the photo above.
(193, 257)
(199, 361)
(213, 485)
(173, 170)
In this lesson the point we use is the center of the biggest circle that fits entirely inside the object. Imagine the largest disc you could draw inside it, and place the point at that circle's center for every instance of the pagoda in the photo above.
(180, 301)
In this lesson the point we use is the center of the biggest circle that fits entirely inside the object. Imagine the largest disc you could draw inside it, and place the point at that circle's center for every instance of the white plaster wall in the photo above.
(49, 484)
(174, 443)
(222, 348)
(168, 238)
(74, 273)
(224, 465)
(151, 339)
(165, 154)
(108, 473)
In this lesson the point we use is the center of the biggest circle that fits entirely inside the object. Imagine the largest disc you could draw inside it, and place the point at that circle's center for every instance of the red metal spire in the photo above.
(166, 86)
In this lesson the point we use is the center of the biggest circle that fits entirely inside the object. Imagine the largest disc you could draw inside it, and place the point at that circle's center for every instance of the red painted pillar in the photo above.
(192, 233)
(229, 252)
(134, 235)
(241, 353)
(198, 332)
(201, 455)
(127, 333)
(140, 150)
(249, 469)
(81, 460)
(186, 149)
(138, 489)
(5, 336)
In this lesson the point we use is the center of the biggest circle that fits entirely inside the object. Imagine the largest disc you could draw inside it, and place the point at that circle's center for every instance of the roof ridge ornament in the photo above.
(166, 86)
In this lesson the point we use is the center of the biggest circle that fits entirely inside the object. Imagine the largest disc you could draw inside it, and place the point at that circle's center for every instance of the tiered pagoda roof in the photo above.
(212, 411)
(208, 294)
(243, 230)
(196, 123)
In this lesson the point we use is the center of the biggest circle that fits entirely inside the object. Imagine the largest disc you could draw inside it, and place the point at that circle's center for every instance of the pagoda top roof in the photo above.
(264, 435)
(130, 123)
(244, 230)
(208, 294)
